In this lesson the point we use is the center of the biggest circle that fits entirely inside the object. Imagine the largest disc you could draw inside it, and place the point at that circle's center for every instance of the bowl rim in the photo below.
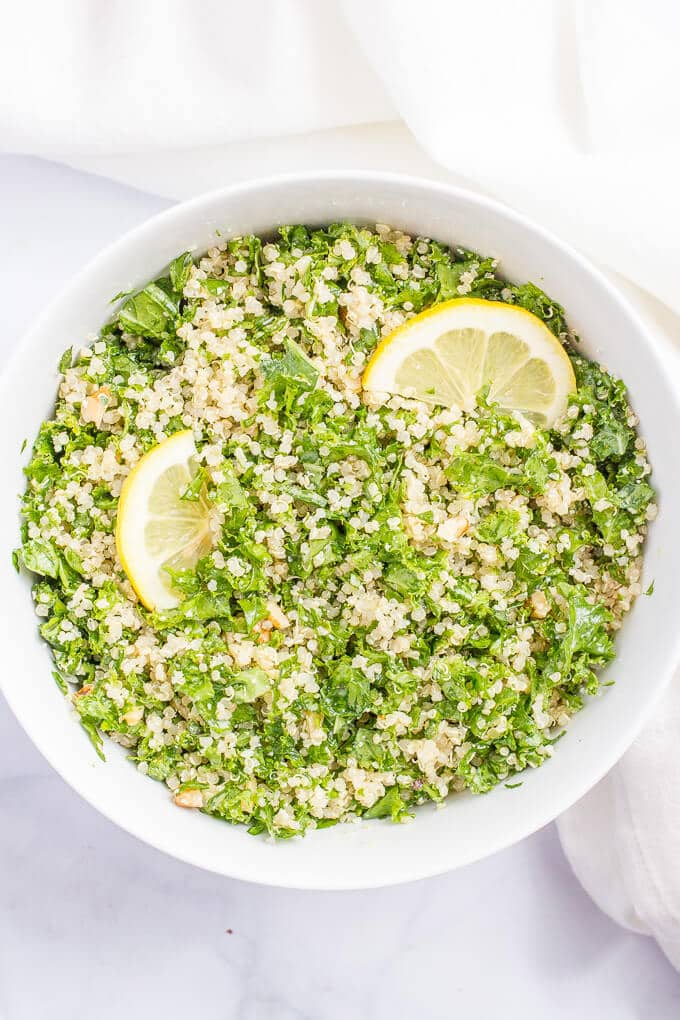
(617, 744)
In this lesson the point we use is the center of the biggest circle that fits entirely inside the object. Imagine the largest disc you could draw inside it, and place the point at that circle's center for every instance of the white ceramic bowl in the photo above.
(373, 853)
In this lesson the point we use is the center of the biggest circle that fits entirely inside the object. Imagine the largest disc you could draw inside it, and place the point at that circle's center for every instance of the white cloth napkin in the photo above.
(567, 109)
(623, 838)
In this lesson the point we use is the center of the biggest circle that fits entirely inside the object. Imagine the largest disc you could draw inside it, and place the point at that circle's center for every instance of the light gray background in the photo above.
(95, 925)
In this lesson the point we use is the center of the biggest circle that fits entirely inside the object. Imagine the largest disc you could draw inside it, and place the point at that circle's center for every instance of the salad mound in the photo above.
(396, 600)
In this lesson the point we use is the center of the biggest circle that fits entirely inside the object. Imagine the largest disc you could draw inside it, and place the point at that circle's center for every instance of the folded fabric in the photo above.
(566, 110)
(623, 838)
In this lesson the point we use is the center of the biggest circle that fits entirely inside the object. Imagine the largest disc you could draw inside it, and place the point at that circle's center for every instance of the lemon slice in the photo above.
(444, 356)
(156, 528)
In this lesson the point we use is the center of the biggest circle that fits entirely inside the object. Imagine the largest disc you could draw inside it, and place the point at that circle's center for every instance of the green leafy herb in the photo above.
(391, 806)
(293, 371)
(179, 271)
(196, 487)
(251, 684)
(150, 313)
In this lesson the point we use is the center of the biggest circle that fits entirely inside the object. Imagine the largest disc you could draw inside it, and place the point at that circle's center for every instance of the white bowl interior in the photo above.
(368, 854)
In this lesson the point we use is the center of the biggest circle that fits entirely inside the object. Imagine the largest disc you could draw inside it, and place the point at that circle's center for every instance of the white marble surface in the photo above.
(94, 924)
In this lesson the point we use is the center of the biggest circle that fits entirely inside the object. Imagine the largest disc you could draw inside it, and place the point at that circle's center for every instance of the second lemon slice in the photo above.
(156, 527)
(444, 356)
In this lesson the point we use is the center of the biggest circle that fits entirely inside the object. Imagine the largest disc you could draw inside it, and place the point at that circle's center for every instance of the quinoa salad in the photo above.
(398, 601)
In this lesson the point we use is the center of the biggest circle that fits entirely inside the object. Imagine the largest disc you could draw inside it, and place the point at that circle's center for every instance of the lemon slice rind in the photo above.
(155, 528)
(445, 355)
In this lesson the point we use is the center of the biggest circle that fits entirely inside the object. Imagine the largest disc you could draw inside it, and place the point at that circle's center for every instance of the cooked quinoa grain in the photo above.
(401, 601)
